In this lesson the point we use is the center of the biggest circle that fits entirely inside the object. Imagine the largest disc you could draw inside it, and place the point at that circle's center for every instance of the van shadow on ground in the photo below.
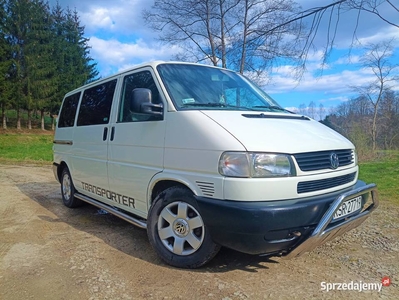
(123, 236)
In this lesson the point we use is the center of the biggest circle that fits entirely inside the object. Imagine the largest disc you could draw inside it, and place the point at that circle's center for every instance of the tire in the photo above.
(177, 232)
(68, 190)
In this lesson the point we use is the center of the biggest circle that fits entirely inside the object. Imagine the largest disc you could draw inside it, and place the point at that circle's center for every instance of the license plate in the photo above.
(348, 207)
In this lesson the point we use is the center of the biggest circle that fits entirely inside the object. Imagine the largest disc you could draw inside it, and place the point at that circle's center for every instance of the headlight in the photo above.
(234, 164)
(270, 165)
(246, 164)
(355, 157)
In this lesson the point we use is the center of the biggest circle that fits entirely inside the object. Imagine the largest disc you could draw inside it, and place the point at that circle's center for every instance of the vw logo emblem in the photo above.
(180, 228)
(334, 160)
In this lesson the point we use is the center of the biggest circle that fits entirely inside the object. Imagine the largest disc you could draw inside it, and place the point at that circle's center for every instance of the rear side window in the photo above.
(96, 104)
(68, 111)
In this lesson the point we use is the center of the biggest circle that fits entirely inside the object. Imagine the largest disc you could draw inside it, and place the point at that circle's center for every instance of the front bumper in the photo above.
(285, 227)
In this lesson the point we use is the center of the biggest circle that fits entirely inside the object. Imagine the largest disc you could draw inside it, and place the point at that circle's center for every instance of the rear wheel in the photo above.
(177, 232)
(68, 190)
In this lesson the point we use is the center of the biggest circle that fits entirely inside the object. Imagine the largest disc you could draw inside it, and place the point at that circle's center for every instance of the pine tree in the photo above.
(41, 67)
(5, 63)
(73, 64)
(17, 24)
(84, 69)
(44, 54)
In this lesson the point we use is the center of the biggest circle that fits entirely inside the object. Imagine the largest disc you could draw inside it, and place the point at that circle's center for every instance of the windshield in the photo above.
(194, 87)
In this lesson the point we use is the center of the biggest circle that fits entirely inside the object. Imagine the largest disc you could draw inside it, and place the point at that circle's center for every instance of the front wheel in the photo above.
(177, 232)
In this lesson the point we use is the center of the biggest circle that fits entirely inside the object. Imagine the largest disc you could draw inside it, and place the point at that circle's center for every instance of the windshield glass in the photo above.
(198, 87)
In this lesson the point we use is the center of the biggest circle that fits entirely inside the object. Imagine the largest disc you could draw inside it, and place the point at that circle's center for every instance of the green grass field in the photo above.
(385, 173)
(26, 148)
(37, 148)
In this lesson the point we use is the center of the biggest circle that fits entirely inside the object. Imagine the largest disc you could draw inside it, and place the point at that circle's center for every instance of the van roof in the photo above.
(152, 64)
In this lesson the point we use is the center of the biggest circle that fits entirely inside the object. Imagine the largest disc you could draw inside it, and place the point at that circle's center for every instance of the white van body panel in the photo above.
(135, 156)
(270, 189)
(89, 160)
(194, 143)
(279, 135)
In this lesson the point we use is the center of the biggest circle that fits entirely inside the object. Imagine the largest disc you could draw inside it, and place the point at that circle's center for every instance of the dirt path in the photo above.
(48, 251)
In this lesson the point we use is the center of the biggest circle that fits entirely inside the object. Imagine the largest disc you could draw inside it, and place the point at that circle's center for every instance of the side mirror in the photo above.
(141, 102)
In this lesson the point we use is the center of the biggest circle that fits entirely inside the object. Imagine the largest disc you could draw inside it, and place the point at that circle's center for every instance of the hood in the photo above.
(278, 132)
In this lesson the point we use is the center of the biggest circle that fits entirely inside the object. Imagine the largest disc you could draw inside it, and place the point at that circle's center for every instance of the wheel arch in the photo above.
(61, 167)
(159, 185)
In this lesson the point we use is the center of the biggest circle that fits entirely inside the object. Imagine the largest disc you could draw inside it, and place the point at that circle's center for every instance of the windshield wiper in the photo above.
(273, 107)
(206, 104)
(216, 105)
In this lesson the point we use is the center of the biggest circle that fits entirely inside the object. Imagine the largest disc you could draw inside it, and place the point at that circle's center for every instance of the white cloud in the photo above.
(348, 60)
(337, 83)
(100, 18)
(118, 17)
(334, 99)
(113, 55)
(385, 34)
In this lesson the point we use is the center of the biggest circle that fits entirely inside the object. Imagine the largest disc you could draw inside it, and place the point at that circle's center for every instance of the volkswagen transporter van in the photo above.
(203, 158)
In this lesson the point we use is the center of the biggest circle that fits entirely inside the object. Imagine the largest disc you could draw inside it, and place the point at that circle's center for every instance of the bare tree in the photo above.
(189, 24)
(378, 60)
(321, 112)
(302, 109)
(329, 15)
(312, 110)
(230, 33)
(389, 120)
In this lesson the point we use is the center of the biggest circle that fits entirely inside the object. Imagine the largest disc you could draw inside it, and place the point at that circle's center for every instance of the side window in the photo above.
(137, 80)
(96, 104)
(68, 111)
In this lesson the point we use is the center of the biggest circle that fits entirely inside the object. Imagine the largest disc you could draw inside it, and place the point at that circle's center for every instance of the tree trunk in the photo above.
(29, 119)
(222, 35)
(244, 43)
(18, 119)
(42, 118)
(4, 118)
(374, 129)
(210, 37)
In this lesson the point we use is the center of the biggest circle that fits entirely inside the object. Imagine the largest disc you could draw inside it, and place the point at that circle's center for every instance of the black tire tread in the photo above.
(203, 255)
(73, 202)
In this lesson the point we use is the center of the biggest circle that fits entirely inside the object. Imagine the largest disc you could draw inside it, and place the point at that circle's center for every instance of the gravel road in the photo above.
(48, 251)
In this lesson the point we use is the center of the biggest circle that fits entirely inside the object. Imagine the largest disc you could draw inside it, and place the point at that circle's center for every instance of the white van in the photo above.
(202, 158)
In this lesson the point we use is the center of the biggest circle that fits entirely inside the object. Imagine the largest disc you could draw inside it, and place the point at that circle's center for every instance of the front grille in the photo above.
(320, 160)
(318, 185)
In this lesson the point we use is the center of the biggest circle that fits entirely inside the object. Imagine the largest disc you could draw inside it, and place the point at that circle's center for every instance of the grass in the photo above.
(36, 147)
(26, 147)
(385, 173)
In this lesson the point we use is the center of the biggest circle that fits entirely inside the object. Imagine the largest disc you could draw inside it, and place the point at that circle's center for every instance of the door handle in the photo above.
(112, 133)
(105, 133)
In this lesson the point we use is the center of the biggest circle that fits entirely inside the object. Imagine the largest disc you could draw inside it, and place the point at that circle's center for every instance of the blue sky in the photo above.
(120, 39)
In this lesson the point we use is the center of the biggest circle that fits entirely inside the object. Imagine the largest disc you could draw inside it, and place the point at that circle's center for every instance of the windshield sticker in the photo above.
(188, 100)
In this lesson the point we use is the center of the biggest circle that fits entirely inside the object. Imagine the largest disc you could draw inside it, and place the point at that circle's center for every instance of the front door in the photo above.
(135, 152)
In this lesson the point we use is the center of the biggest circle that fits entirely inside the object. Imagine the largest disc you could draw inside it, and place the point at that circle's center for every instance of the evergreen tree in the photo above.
(83, 67)
(44, 54)
(74, 66)
(41, 67)
(5, 64)
(17, 26)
